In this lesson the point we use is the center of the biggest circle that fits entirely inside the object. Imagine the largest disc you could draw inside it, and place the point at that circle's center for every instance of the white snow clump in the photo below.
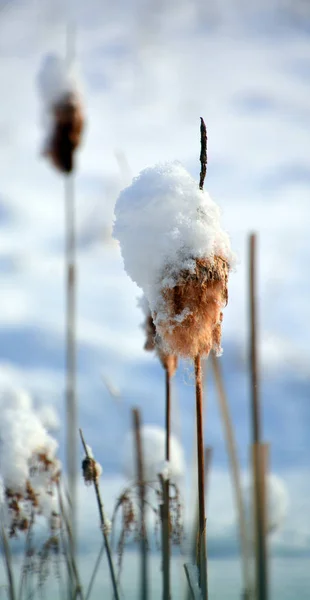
(164, 222)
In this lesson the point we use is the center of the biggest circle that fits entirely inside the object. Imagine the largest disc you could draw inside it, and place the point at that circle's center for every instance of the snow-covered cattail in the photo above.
(174, 248)
(29, 468)
(168, 360)
(63, 111)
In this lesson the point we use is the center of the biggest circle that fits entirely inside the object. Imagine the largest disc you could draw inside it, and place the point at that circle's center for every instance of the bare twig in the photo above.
(203, 152)
(102, 522)
(261, 558)
(141, 486)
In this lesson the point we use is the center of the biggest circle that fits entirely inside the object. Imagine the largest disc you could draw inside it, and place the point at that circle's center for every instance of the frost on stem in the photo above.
(63, 110)
(174, 248)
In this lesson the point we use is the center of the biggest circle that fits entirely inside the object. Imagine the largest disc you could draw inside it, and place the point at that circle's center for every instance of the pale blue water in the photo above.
(289, 579)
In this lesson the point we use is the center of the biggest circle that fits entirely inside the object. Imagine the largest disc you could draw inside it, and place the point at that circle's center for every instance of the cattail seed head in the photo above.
(64, 112)
(66, 133)
(91, 470)
(193, 309)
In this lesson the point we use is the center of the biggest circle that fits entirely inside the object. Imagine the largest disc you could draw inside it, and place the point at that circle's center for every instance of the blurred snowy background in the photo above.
(149, 70)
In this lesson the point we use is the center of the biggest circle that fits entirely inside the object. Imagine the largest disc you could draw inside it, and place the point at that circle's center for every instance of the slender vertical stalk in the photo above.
(8, 563)
(202, 554)
(140, 479)
(235, 473)
(208, 456)
(71, 401)
(102, 523)
(261, 558)
(165, 511)
(71, 405)
(168, 412)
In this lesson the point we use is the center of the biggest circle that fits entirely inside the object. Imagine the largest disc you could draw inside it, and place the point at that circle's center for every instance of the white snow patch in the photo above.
(164, 222)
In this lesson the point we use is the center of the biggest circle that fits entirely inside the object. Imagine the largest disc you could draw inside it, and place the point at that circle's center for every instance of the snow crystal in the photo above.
(164, 222)
(153, 441)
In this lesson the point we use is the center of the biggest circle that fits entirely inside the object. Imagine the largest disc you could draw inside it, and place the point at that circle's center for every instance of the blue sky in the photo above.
(147, 77)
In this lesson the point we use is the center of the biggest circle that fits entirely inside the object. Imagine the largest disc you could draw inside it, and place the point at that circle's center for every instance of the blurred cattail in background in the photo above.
(29, 468)
(63, 112)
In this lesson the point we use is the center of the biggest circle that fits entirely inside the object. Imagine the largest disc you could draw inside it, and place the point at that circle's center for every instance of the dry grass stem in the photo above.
(102, 522)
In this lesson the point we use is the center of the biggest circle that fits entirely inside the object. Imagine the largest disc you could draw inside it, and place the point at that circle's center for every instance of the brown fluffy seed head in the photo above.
(194, 309)
(169, 361)
(91, 470)
(66, 134)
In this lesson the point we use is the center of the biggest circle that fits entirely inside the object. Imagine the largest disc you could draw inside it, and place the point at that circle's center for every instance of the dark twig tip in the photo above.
(203, 152)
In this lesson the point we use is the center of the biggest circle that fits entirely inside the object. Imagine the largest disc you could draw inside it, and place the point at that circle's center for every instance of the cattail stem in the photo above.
(75, 586)
(71, 402)
(208, 456)
(168, 412)
(202, 554)
(140, 479)
(235, 473)
(8, 563)
(165, 509)
(102, 523)
(258, 472)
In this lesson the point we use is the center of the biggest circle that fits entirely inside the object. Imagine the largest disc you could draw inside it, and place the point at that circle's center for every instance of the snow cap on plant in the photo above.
(63, 112)
(153, 342)
(175, 249)
(29, 468)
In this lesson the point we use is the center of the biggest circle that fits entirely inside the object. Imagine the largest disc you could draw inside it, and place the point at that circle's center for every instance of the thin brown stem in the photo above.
(141, 488)
(202, 555)
(71, 403)
(165, 509)
(8, 563)
(261, 558)
(235, 473)
(102, 522)
(75, 587)
(253, 343)
(168, 412)
(203, 153)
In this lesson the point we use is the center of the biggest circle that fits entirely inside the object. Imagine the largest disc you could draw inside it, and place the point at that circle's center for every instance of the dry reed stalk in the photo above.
(260, 554)
(75, 586)
(102, 521)
(235, 472)
(141, 487)
(260, 455)
(169, 362)
(202, 550)
(195, 533)
(8, 563)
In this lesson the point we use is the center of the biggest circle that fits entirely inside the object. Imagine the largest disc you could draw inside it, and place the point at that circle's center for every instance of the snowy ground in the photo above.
(148, 75)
